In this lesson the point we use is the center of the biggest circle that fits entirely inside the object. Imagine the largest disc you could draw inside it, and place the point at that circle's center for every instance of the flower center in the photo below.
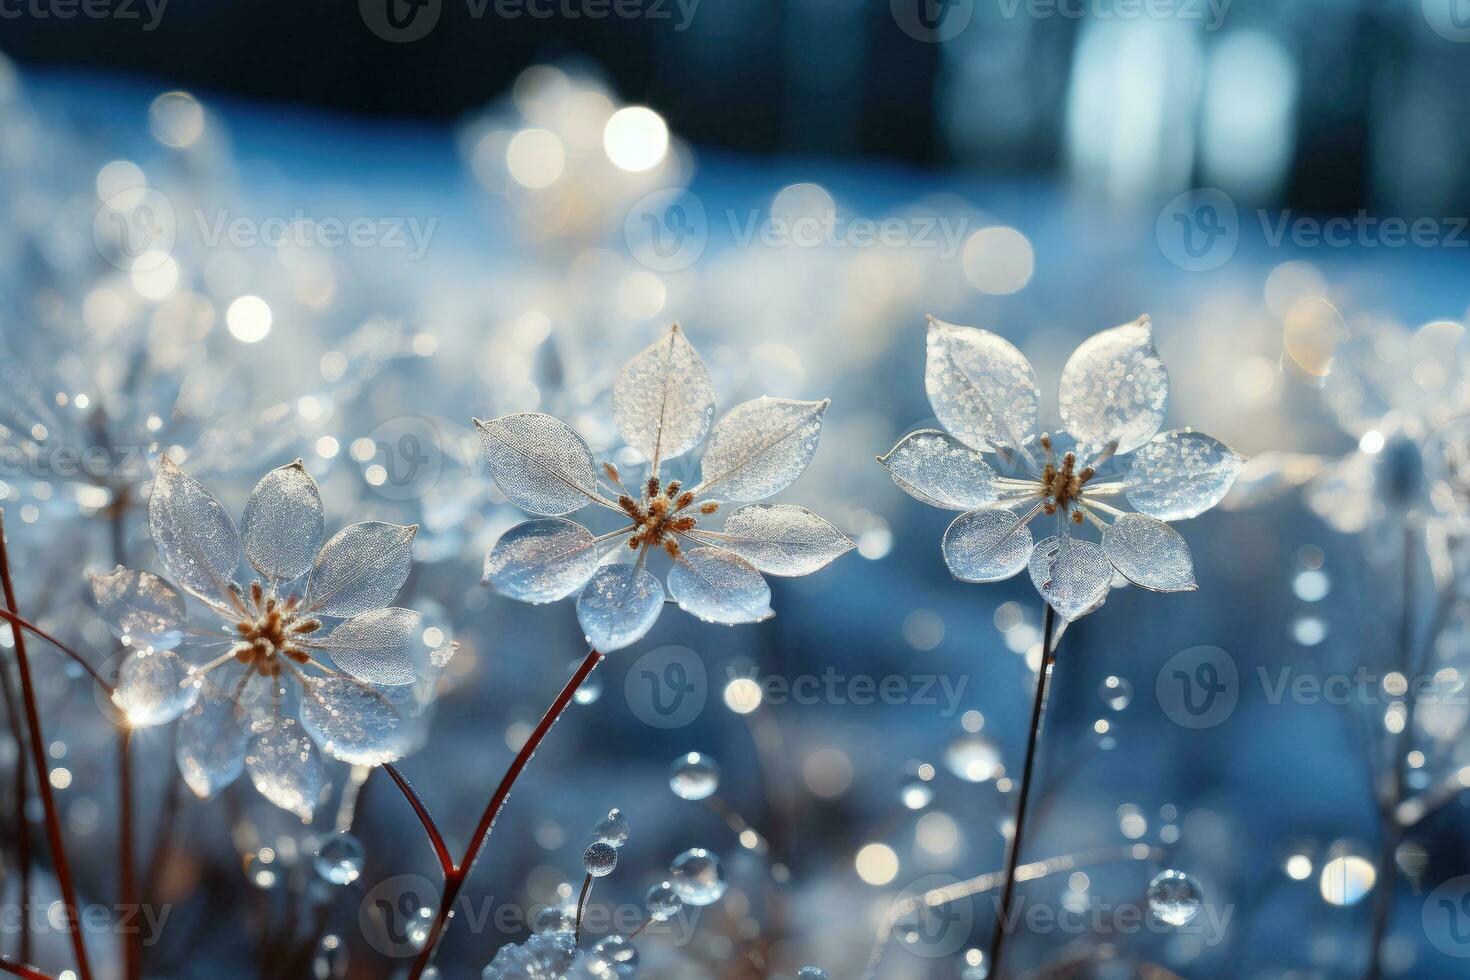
(1061, 486)
(664, 511)
(269, 629)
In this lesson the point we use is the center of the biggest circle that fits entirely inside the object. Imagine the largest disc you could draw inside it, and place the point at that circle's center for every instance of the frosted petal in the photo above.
(285, 766)
(938, 469)
(541, 561)
(1181, 474)
(193, 533)
(539, 463)
(376, 646)
(663, 401)
(761, 446)
(211, 743)
(351, 721)
(986, 545)
(1149, 553)
(154, 687)
(361, 568)
(282, 525)
(719, 587)
(981, 386)
(618, 606)
(1115, 388)
(140, 608)
(780, 539)
(1071, 574)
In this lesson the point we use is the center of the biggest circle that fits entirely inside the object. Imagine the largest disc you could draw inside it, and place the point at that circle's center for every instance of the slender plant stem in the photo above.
(1028, 771)
(22, 822)
(21, 970)
(38, 762)
(20, 623)
(127, 866)
(581, 908)
(441, 849)
(454, 878)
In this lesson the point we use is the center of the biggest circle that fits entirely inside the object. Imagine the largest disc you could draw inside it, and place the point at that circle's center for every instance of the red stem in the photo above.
(38, 762)
(454, 879)
(441, 849)
(127, 867)
(11, 617)
(21, 970)
(22, 822)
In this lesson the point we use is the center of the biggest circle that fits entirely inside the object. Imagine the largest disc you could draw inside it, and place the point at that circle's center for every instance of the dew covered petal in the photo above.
(361, 568)
(1149, 553)
(542, 561)
(1181, 474)
(351, 721)
(375, 646)
(719, 588)
(939, 470)
(140, 608)
(193, 533)
(285, 766)
(982, 388)
(986, 545)
(1071, 574)
(664, 400)
(618, 606)
(154, 687)
(211, 744)
(1115, 388)
(540, 463)
(761, 446)
(780, 539)
(282, 525)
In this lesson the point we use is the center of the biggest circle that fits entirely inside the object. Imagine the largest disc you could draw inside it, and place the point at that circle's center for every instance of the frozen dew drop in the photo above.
(694, 776)
(1174, 898)
(154, 687)
(618, 955)
(330, 960)
(974, 758)
(698, 877)
(663, 902)
(339, 860)
(600, 859)
(811, 973)
(554, 919)
(613, 828)
(1116, 692)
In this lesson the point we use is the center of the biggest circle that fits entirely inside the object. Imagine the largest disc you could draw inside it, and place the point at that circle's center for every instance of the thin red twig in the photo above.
(441, 849)
(15, 620)
(21, 970)
(127, 866)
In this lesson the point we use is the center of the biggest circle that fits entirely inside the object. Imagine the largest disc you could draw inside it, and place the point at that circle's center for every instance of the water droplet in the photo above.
(1174, 898)
(811, 973)
(339, 859)
(600, 859)
(154, 686)
(330, 960)
(974, 758)
(554, 918)
(663, 902)
(694, 776)
(698, 877)
(619, 957)
(1116, 692)
(613, 828)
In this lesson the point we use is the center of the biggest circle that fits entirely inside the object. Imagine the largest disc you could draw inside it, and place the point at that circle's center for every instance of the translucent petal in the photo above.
(539, 463)
(351, 721)
(282, 525)
(154, 687)
(780, 539)
(193, 533)
(938, 469)
(375, 646)
(1149, 553)
(663, 401)
(986, 545)
(619, 605)
(140, 608)
(761, 446)
(285, 766)
(1071, 574)
(719, 587)
(361, 568)
(981, 387)
(1180, 474)
(542, 561)
(210, 747)
(1115, 388)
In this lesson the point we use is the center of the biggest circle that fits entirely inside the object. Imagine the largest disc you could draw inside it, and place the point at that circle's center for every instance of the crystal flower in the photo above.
(992, 465)
(663, 403)
(305, 601)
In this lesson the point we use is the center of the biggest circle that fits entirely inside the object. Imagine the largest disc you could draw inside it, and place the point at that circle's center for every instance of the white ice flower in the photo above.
(317, 614)
(994, 466)
(663, 403)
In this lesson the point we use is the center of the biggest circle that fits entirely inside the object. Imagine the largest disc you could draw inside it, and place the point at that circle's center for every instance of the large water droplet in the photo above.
(613, 828)
(695, 776)
(663, 902)
(340, 859)
(618, 956)
(600, 859)
(554, 919)
(154, 687)
(698, 877)
(1174, 898)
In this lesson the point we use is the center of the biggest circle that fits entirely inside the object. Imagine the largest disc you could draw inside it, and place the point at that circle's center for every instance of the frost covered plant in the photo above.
(316, 614)
(996, 467)
(663, 403)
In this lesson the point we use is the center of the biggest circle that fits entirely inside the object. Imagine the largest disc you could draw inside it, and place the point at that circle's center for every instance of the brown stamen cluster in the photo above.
(1062, 485)
(269, 629)
(663, 513)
